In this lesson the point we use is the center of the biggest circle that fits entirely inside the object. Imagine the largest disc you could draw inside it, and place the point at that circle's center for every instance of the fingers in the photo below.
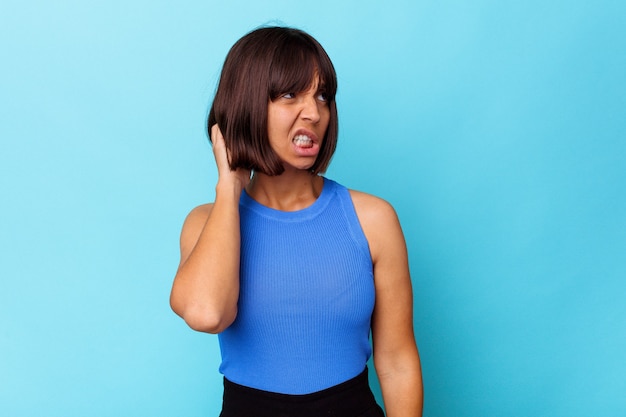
(226, 174)
(216, 134)
(219, 148)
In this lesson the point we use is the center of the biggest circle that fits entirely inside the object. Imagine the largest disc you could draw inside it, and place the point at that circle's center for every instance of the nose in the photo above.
(310, 110)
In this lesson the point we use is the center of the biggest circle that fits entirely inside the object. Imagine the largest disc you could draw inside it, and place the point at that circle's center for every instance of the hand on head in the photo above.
(225, 173)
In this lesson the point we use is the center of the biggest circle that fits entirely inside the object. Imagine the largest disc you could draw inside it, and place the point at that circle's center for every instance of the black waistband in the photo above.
(348, 399)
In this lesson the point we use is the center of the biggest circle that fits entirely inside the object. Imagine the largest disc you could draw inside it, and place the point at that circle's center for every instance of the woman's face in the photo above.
(296, 125)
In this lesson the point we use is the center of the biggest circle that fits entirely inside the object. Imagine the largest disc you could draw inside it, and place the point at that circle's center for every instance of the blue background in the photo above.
(496, 129)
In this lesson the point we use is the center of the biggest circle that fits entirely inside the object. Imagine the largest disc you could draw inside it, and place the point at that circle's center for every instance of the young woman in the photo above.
(291, 269)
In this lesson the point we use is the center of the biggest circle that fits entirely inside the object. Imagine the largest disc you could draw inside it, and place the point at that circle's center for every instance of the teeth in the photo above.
(303, 140)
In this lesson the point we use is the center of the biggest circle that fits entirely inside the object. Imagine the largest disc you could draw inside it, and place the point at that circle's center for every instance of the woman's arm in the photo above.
(206, 286)
(396, 356)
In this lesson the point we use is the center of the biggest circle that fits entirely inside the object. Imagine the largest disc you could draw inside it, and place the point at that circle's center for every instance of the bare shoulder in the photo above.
(372, 211)
(192, 228)
(199, 213)
(379, 222)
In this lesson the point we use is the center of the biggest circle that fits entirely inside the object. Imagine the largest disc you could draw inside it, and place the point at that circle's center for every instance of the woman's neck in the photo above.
(289, 191)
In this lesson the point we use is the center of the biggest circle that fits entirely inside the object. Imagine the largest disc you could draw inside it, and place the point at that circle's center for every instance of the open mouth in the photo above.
(303, 141)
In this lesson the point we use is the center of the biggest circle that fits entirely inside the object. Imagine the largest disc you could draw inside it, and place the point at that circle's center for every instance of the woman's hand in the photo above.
(239, 177)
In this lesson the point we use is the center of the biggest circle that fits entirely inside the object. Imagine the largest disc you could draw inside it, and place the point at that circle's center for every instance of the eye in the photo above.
(288, 95)
(322, 96)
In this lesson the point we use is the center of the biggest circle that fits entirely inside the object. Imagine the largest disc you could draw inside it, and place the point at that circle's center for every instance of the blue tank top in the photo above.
(306, 297)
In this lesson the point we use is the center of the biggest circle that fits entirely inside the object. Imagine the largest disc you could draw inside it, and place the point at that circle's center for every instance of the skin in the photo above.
(206, 285)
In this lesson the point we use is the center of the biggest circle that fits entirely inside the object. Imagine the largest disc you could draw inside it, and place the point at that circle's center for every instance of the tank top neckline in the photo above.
(305, 213)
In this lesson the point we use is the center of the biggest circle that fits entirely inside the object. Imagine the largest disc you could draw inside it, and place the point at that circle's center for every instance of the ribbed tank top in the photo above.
(306, 297)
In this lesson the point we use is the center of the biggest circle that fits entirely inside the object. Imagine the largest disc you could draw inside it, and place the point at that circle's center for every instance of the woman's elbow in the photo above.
(207, 321)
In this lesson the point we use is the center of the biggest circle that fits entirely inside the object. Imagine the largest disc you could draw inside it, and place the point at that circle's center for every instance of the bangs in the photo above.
(263, 65)
(295, 65)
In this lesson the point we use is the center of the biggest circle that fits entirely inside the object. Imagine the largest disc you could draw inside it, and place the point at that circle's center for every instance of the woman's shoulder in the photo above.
(194, 223)
(374, 213)
(370, 205)
(198, 214)
(362, 201)
(379, 222)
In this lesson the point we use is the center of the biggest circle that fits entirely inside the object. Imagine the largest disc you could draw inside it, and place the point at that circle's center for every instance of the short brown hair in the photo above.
(261, 66)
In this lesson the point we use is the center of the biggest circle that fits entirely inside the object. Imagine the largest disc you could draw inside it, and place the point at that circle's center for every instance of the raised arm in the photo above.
(396, 357)
(206, 286)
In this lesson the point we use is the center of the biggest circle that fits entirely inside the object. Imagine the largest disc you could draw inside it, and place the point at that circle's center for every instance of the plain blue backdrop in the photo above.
(496, 128)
